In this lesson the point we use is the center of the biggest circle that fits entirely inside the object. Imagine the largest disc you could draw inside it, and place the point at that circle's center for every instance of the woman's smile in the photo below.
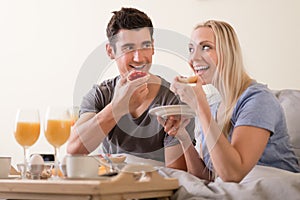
(200, 70)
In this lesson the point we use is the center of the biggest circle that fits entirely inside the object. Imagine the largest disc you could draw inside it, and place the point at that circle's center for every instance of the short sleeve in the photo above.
(98, 97)
(260, 109)
(88, 103)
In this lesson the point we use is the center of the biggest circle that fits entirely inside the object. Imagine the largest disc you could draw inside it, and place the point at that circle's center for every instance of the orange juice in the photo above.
(57, 132)
(27, 133)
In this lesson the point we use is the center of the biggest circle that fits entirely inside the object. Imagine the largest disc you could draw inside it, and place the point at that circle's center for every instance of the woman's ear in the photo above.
(110, 51)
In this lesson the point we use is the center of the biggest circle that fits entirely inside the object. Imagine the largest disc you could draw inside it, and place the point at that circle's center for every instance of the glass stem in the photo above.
(25, 163)
(56, 161)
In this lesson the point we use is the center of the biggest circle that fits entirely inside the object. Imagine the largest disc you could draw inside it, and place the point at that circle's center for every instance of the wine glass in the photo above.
(74, 114)
(27, 132)
(57, 131)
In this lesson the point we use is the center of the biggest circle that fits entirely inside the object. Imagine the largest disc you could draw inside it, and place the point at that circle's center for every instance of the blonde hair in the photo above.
(230, 79)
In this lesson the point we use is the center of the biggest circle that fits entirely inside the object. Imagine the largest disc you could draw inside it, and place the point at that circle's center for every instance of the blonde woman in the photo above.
(246, 128)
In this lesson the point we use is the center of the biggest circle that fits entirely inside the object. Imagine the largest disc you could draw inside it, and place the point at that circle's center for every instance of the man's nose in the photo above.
(137, 55)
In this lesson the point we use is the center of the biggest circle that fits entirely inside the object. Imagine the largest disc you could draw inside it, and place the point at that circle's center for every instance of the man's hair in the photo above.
(127, 18)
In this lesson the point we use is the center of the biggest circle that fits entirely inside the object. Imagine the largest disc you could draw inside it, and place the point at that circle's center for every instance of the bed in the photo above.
(262, 182)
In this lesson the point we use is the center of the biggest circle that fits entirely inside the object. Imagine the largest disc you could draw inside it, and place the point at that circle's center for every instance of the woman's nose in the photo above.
(197, 55)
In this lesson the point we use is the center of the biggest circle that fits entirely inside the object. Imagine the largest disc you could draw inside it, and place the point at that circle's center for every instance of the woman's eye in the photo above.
(191, 50)
(206, 47)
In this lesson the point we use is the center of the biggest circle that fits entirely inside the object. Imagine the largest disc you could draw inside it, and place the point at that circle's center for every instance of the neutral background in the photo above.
(44, 45)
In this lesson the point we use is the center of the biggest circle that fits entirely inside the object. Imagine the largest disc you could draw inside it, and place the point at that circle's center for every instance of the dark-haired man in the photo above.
(115, 113)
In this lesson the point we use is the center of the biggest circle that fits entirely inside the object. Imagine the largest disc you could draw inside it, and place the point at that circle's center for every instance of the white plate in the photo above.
(165, 111)
(12, 177)
(115, 158)
(88, 178)
(138, 168)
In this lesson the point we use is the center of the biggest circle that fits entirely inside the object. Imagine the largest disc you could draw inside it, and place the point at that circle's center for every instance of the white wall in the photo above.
(44, 44)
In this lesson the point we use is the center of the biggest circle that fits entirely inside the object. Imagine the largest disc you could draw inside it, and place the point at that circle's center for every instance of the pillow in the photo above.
(290, 101)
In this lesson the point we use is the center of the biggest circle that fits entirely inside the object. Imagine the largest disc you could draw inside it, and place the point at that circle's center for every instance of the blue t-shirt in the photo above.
(258, 107)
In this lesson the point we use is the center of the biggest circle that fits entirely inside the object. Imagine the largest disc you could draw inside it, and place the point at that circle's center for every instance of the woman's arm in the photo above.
(231, 161)
(174, 157)
(189, 157)
(194, 162)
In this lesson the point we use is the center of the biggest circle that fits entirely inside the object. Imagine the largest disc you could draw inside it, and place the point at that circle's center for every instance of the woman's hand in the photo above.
(191, 95)
(174, 125)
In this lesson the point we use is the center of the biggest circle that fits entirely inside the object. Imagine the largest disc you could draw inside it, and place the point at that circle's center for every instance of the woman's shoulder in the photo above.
(258, 97)
(259, 107)
(257, 91)
(256, 87)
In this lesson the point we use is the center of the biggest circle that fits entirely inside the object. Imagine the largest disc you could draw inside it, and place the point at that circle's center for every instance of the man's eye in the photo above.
(127, 49)
(147, 46)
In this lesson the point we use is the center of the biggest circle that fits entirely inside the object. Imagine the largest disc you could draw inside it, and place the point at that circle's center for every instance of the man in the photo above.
(115, 113)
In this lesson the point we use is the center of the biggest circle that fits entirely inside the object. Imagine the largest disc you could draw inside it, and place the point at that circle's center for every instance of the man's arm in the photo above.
(90, 130)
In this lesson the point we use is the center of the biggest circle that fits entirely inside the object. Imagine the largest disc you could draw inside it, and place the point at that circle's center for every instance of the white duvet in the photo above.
(261, 183)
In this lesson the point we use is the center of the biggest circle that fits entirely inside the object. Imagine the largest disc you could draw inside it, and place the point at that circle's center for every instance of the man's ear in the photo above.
(152, 47)
(110, 51)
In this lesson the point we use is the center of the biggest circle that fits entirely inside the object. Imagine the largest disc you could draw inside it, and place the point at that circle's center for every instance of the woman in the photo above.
(246, 128)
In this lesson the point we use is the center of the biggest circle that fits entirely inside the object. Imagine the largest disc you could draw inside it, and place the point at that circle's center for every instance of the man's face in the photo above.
(133, 50)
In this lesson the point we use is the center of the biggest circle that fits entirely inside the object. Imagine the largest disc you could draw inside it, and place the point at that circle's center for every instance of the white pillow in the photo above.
(290, 101)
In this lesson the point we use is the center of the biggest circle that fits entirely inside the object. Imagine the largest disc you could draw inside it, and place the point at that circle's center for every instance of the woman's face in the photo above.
(203, 55)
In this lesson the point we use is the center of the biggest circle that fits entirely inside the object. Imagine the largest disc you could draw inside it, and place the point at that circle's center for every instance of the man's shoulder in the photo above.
(105, 88)
(165, 96)
(109, 83)
(165, 85)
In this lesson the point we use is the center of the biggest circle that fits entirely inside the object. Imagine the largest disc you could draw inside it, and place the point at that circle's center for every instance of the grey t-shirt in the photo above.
(142, 136)
(258, 107)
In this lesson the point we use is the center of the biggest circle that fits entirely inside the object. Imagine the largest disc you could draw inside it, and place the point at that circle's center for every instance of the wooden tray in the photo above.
(126, 185)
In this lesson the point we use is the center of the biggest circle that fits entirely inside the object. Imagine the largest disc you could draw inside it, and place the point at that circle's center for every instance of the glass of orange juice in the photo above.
(27, 132)
(74, 114)
(57, 131)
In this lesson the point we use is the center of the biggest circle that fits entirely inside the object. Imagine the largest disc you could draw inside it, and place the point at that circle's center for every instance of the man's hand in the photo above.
(129, 95)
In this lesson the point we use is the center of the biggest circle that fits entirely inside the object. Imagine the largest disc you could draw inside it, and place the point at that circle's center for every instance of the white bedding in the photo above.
(261, 183)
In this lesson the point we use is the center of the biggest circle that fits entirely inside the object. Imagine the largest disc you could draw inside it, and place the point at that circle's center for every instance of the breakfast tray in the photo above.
(125, 185)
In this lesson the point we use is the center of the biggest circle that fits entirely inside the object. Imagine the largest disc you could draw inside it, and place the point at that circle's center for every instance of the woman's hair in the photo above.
(127, 18)
(231, 78)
